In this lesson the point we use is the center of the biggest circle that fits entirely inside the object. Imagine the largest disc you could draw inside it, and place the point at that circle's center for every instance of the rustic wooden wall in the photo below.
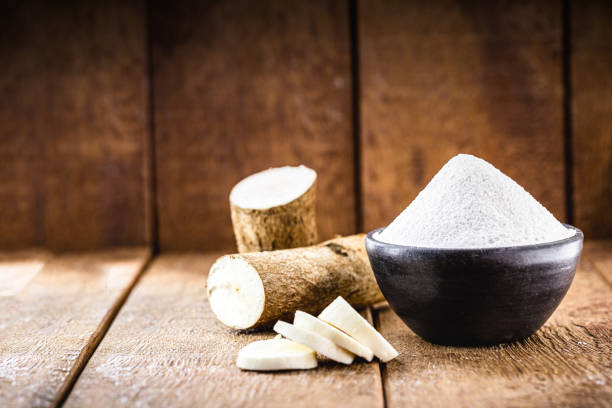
(591, 114)
(126, 123)
(444, 77)
(73, 123)
(240, 87)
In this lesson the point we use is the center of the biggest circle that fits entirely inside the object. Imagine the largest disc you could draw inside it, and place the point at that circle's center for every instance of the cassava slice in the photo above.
(235, 292)
(276, 354)
(309, 322)
(256, 289)
(315, 341)
(340, 314)
(275, 209)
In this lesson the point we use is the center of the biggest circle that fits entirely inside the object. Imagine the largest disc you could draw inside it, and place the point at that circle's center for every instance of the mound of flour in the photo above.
(471, 204)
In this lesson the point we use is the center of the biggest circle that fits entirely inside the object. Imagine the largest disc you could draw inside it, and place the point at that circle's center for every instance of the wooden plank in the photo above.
(18, 268)
(566, 363)
(445, 77)
(50, 328)
(591, 64)
(599, 253)
(167, 348)
(73, 124)
(240, 88)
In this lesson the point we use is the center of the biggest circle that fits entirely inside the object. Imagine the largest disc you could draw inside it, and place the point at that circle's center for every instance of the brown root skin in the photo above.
(290, 225)
(310, 278)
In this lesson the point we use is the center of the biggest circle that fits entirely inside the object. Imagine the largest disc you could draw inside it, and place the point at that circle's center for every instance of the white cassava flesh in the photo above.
(235, 292)
(309, 322)
(342, 315)
(272, 187)
(276, 354)
(315, 341)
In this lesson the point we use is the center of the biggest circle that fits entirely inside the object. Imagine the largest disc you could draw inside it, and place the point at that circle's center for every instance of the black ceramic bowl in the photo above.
(474, 297)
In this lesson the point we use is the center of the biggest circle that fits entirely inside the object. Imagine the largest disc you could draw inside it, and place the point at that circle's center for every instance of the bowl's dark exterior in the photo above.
(469, 297)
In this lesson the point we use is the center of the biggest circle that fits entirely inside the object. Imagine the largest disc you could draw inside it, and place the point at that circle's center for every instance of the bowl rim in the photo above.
(578, 236)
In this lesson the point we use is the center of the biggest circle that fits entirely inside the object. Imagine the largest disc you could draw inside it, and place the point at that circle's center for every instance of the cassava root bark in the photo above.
(275, 209)
(254, 290)
(290, 225)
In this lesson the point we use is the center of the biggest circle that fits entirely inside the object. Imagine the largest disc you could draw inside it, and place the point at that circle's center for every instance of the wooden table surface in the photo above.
(120, 328)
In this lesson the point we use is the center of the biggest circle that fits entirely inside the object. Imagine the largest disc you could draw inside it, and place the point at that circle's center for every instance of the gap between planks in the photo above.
(47, 323)
(166, 344)
(98, 335)
(373, 314)
(373, 317)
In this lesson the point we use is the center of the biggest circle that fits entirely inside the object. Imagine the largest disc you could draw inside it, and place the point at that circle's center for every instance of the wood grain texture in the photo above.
(241, 87)
(591, 65)
(445, 77)
(599, 253)
(18, 268)
(566, 363)
(73, 124)
(45, 327)
(166, 348)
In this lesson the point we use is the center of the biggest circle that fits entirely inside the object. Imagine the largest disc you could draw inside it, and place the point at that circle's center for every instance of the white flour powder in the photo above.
(471, 204)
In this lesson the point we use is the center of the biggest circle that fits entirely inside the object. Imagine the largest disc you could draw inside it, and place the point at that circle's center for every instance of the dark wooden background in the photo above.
(128, 122)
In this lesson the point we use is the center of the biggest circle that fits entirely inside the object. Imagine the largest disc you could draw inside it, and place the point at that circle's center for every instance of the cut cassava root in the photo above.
(318, 343)
(275, 209)
(256, 289)
(309, 322)
(341, 315)
(319, 336)
(276, 354)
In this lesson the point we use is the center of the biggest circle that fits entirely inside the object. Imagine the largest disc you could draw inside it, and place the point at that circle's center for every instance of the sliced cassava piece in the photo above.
(315, 341)
(340, 314)
(309, 322)
(276, 354)
(275, 209)
(256, 289)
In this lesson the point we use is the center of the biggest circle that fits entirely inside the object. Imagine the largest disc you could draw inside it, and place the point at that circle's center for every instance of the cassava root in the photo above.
(275, 209)
(256, 289)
